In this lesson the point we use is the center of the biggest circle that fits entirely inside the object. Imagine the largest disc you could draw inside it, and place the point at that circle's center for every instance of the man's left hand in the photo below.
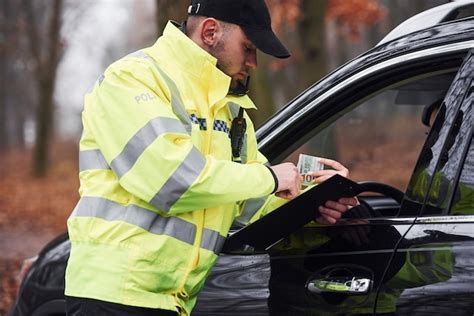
(332, 211)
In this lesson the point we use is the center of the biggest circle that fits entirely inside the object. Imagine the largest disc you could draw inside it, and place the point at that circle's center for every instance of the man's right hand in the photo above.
(289, 180)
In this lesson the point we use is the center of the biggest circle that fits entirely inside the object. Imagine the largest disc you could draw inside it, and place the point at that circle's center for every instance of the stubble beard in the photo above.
(219, 52)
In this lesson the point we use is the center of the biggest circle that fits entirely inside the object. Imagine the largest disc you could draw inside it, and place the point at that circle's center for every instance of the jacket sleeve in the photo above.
(151, 152)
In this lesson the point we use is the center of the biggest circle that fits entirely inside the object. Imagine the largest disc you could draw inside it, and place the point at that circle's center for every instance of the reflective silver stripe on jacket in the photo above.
(148, 220)
(141, 140)
(212, 240)
(243, 151)
(176, 102)
(92, 159)
(180, 181)
(90, 206)
(250, 208)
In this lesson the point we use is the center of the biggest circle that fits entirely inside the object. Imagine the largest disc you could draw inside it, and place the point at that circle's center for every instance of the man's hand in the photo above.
(332, 211)
(289, 180)
(322, 175)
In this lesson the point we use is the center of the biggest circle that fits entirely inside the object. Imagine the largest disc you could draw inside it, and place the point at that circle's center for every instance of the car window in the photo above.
(463, 201)
(432, 187)
(379, 138)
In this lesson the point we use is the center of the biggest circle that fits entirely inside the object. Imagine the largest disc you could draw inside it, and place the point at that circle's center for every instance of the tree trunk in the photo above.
(312, 28)
(261, 94)
(315, 64)
(45, 75)
(4, 58)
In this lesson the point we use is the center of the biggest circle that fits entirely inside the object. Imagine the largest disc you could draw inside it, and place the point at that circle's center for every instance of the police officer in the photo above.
(162, 167)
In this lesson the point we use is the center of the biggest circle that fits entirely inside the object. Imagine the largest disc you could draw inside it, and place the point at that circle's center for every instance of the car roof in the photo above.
(429, 18)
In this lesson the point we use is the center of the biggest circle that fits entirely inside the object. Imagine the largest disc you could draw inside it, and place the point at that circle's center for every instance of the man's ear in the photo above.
(210, 32)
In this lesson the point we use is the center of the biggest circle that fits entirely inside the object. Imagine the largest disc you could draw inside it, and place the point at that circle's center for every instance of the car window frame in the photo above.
(470, 143)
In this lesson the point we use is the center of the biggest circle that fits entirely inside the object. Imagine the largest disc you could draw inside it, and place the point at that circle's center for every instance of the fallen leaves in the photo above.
(33, 208)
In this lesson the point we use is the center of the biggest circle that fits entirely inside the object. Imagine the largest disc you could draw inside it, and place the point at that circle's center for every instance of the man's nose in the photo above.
(251, 60)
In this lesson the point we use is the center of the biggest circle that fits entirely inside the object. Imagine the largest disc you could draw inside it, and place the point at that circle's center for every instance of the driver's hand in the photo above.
(322, 175)
(332, 211)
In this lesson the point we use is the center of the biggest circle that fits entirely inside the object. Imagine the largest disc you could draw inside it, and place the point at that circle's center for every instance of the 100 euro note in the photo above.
(307, 164)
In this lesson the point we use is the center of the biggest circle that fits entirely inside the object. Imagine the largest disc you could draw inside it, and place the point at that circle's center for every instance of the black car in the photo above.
(409, 248)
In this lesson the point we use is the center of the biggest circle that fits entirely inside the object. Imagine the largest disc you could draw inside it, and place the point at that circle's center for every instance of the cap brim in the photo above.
(266, 41)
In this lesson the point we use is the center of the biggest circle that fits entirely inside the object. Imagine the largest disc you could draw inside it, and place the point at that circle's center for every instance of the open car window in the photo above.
(380, 138)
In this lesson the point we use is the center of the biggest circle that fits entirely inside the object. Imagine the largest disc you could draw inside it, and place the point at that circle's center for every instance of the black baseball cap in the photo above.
(251, 15)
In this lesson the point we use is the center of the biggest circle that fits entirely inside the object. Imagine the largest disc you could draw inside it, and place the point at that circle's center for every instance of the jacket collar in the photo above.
(179, 51)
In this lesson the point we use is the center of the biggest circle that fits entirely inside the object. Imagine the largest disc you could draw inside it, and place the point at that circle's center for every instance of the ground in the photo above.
(32, 210)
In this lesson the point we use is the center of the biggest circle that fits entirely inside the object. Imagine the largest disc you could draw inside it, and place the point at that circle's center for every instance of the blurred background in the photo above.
(52, 52)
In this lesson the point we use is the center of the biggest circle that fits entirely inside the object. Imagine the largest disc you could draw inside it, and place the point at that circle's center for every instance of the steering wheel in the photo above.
(384, 189)
(365, 210)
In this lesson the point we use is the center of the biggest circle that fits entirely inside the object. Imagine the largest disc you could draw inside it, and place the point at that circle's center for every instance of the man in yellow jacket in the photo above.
(167, 165)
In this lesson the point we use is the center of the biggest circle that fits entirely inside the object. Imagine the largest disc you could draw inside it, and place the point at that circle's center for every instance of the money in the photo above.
(306, 164)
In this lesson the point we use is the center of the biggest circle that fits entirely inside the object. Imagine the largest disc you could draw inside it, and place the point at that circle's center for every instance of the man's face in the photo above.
(235, 53)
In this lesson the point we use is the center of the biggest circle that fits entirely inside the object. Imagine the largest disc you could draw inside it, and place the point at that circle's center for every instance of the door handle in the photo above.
(342, 285)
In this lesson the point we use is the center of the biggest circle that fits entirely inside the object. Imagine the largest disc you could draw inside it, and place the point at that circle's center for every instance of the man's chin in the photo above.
(236, 82)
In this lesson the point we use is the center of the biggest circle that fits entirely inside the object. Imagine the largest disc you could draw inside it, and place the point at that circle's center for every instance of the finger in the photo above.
(295, 190)
(352, 201)
(326, 220)
(320, 173)
(284, 194)
(336, 206)
(322, 178)
(287, 194)
(334, 164)
(299, 182)
(325, 211)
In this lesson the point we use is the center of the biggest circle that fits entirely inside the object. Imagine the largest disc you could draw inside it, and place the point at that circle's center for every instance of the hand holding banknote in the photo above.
(289, 180)
(324, 174)
(313, 171)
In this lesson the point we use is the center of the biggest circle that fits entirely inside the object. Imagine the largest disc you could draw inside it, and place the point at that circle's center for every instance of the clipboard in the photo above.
(291, 216)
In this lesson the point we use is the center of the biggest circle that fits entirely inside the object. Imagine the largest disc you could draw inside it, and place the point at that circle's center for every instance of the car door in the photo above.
(345, 268)
(372, 121)
(438, 272)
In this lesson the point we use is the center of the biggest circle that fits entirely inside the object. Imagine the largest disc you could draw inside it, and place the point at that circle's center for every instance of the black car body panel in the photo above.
(412, 258)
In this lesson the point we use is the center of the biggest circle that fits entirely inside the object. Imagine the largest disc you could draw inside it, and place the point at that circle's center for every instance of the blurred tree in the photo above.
(303, 27)
(170, 10)
(5, 31)
(43, 29)
(14, 95)
(368, 13)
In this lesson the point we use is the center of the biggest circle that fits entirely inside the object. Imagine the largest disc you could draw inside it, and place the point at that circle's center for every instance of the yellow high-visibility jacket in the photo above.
(159, 190)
